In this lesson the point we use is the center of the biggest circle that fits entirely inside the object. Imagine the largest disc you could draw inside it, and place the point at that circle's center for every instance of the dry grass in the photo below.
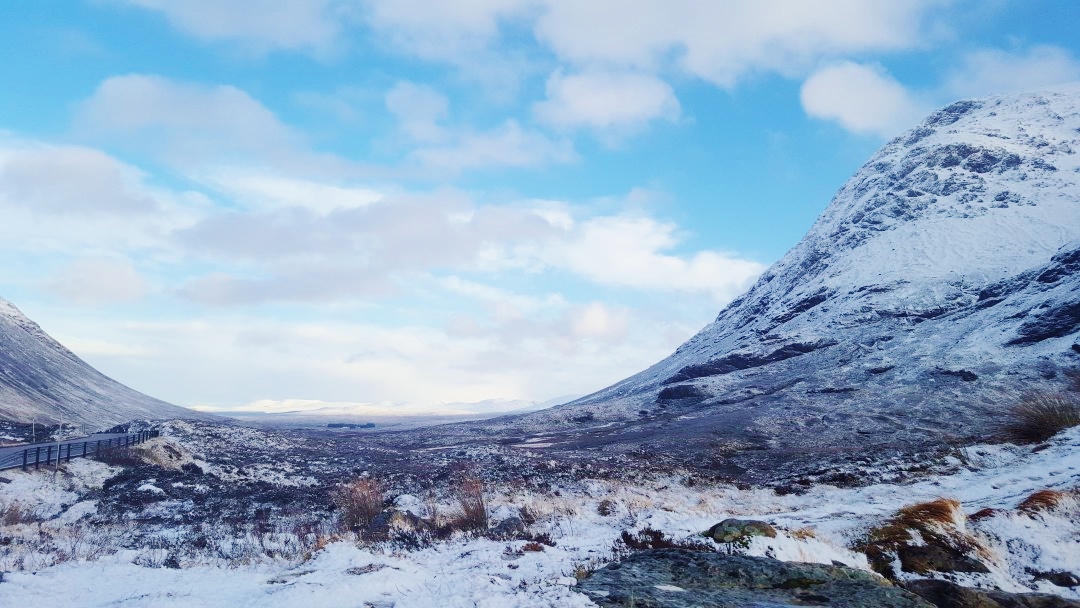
(938, 521)
(983, 514)
(469, 494)
(14, 514)
(1039, 416)
(941, 511)
(360, 501)
(1044, 500)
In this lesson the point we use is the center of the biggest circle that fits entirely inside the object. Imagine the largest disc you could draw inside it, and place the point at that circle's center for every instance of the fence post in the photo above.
(48, 454)
(84, 449)
(25, 455)
(37, 457)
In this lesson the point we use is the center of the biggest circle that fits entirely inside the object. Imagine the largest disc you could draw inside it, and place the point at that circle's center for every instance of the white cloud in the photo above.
(995, 71)
(599, 321)
(504, 305)
(196, 125)
(441, 29)
(71, 180)
(724, 41)
(419, 109)
(862, 99)
(99, 281)
(630, 251)
(71, 200)
(228, 360)
(256, 190)
(718, 41)
(261, 25)
(508, 145)
(605, 101)
(302, 255)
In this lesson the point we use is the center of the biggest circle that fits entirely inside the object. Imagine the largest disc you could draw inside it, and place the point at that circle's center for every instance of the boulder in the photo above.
(733, 530)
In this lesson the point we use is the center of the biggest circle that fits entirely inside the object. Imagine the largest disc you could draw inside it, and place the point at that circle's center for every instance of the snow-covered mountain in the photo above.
(42, 381)
(941, 278)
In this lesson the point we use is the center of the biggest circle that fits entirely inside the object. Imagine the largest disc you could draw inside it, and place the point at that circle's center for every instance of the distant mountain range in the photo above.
(942, 278)
(42, 381)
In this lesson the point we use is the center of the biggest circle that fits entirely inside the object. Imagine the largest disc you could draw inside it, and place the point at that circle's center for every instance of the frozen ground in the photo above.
(819, 525)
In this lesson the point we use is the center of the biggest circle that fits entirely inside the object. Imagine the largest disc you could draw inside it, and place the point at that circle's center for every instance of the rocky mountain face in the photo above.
(42, 381)
(941, 279)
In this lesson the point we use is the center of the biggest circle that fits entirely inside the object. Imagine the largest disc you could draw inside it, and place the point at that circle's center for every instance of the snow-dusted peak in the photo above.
(942, 277)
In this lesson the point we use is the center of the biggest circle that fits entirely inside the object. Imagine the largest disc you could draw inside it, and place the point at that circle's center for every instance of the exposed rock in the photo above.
(732, 530)
(390, 521)
(923, 559)
(511, 527)
(1060, 578)
(682, 391)
(677, 578)
(945, 594)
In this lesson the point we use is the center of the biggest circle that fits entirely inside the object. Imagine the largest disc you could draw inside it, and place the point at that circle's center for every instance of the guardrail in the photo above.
(57, 452)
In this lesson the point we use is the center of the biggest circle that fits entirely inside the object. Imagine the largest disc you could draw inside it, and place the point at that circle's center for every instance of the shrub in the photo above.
(649, 538)
(1039, 416)
(14, 514)
(470, 496)
(606, 507)
(119, 457)
(360, 501)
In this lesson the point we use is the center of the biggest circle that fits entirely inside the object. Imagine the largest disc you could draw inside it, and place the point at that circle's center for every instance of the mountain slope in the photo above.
(941, 278)
(42, 381)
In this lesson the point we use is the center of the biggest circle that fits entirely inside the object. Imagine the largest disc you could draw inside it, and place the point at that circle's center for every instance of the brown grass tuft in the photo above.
(934, 521)
(1043, 500)
(1039, 416)
(940, 511)
(983, 514)
(470, 496)
(360, 501)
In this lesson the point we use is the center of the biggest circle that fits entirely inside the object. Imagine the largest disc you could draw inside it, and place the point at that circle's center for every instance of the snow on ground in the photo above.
(816, 526)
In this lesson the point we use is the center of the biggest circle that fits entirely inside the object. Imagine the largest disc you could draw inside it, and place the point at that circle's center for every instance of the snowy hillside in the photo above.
(940, 280)
(42, 381)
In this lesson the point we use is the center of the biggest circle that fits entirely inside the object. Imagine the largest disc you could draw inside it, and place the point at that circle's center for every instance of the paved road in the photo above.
(11, 457)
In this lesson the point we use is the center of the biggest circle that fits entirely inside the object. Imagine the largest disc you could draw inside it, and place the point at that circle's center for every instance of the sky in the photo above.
(219, 202)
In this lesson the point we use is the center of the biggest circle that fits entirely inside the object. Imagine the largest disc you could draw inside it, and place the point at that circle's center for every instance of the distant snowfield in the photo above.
(482, 572)
(312, 407)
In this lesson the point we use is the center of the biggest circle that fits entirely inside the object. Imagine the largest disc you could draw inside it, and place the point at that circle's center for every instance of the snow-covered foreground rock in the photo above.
(823, 525)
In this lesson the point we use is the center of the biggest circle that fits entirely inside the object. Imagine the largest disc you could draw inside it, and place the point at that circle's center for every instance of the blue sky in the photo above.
(224, 201)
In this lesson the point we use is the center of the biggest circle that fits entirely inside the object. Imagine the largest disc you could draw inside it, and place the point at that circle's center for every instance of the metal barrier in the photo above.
(63, 451)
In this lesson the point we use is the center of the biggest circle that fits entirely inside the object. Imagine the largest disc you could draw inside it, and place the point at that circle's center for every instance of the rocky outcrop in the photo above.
(945, 594)
(678, 578)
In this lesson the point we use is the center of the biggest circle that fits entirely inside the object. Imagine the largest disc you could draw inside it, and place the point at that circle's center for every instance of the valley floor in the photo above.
(70, 543)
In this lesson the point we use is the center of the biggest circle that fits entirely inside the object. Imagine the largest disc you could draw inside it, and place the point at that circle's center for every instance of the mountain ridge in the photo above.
(938, 282)
(43, 381)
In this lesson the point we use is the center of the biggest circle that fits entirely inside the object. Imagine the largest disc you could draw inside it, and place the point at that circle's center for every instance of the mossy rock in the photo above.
(734, 530)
